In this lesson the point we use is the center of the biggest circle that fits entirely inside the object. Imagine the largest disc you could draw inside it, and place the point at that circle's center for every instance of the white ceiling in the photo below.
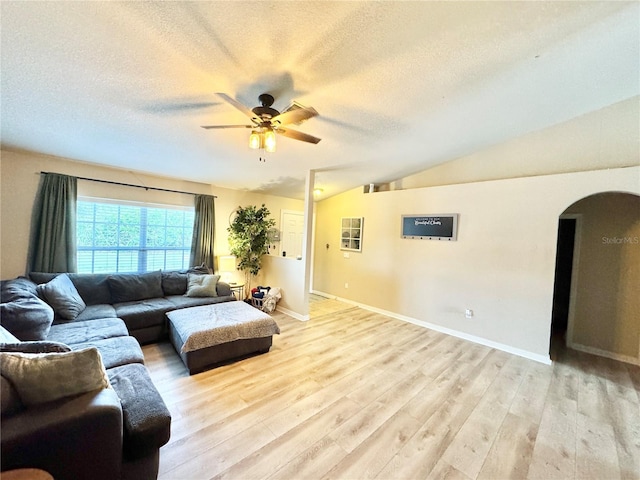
(400, 86)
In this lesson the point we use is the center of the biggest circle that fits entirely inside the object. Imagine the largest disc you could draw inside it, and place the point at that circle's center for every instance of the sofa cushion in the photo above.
(17, 288)
(87, 331)
(146, 419)
(9, 399)
(93, 312)
(6, 336)
(174, 283)
(41, 378)
(35, 347)
(202, 285)
(22, 313)
(92, 287)
(63, 296)
(115, 351)
(224, 289)
(42, 277)
(144, 313)
(132, 287)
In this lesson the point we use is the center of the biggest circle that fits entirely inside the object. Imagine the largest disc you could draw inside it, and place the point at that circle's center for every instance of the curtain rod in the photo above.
(131, 185)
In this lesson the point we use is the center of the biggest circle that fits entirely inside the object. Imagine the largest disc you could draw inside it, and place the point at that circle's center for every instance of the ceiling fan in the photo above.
(267, 121)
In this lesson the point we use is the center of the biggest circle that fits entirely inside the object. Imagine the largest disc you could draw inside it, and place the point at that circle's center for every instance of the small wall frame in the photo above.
(351, 233)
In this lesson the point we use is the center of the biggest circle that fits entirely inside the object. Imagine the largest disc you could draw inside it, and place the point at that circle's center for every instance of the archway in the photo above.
(596, 306)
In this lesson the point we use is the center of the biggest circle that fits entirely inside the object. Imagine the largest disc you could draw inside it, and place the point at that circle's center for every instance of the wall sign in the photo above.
(430, 227)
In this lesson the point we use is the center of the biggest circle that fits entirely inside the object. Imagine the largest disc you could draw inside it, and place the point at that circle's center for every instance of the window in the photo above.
(132, 237)
(351, 237)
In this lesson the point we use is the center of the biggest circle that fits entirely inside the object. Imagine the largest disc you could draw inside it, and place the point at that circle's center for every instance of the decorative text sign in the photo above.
(430, 227)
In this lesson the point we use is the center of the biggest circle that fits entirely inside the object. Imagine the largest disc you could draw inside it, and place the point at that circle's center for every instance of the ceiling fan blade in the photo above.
(209, 127)
(296, 135)
(294, 116)
(247, 111)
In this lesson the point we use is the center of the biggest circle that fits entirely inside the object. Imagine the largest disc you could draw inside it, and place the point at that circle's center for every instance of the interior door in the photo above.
(292, 234)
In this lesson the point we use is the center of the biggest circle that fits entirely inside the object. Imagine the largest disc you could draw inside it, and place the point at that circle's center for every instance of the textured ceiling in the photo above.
(400, 86)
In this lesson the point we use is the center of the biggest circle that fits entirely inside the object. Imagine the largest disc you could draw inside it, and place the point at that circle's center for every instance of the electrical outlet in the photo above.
(346, 285)
(468, 313)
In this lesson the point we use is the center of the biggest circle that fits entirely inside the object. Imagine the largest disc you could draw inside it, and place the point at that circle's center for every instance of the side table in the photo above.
(237, 289)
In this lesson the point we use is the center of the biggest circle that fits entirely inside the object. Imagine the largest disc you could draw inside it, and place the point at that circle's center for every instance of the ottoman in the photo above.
(209, 335)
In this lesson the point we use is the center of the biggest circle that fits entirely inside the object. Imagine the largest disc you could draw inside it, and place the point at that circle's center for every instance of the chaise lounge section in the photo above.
(113, 432)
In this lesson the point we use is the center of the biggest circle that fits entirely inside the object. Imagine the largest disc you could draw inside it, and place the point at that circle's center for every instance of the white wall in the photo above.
(501, 267)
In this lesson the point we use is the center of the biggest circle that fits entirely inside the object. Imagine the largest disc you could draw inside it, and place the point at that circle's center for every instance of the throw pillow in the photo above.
(200, 269)
(16, 289)
(62, 295)
(202, 285)
(132, 287)
(26, 316)
(41, 378)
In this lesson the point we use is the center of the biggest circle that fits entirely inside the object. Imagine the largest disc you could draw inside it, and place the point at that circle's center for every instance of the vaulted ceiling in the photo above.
(400, 86)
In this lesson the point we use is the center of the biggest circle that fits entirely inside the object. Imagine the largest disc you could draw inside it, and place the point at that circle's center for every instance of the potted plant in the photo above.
(249, 240)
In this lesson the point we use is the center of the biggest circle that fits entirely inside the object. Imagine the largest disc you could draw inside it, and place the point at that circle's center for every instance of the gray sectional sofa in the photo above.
(105, 433)
(140, 300)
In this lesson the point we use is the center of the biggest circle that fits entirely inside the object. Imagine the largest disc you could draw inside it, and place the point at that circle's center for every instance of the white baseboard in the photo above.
(546, 359)
(603, 353)
(291, 313)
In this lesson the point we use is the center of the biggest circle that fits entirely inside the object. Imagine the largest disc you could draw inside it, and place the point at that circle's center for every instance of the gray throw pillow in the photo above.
(201, 269)
(130, 287)
(62, 295)
(16, 289)
(202, 285)
(22, 313)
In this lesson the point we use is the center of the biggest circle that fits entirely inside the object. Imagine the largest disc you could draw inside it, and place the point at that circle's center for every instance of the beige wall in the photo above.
(606, 309)
(501, 266)
(19, 180)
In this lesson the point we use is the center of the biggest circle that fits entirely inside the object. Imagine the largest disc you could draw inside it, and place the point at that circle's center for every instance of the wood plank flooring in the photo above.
(352, 394)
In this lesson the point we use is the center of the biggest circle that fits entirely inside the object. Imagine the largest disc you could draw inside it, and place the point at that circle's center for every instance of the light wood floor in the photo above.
(352, 394)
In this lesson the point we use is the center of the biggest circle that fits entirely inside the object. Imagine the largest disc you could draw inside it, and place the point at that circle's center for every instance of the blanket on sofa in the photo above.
(209, 325)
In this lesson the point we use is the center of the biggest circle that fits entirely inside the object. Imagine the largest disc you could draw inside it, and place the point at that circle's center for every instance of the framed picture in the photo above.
(351, 234)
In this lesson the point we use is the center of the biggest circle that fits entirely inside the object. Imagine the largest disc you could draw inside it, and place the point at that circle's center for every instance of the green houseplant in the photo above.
(249, 241)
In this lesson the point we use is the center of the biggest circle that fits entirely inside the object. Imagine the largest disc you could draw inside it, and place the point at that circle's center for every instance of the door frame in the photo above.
(575, 271)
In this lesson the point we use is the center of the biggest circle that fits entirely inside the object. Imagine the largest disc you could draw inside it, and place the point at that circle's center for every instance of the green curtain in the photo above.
(203, 231)
(52, 247)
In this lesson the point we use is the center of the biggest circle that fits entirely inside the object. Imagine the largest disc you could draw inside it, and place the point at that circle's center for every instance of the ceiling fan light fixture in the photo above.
(255, 140)
(270, 140)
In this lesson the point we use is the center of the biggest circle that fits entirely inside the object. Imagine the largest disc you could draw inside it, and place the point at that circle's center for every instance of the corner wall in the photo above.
(19, 181)
(501, 266)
